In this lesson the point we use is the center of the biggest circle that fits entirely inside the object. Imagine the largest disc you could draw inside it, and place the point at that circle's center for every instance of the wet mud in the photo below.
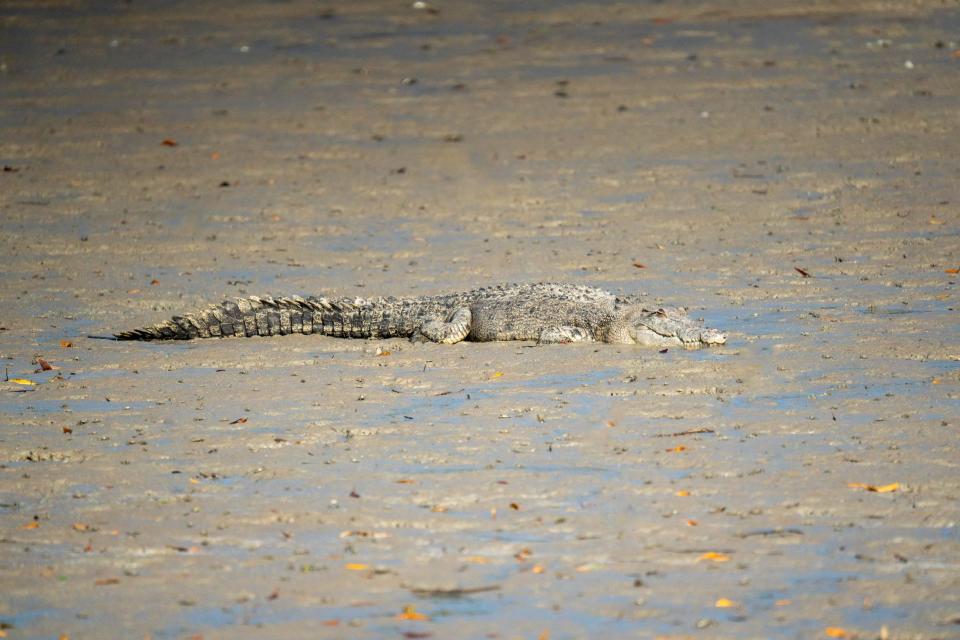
(787, 171)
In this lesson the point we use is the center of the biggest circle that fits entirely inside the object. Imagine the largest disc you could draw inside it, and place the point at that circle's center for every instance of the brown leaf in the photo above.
(239, 421)
(79, 526)
(66, 344)
(169, 142)
(951, 271)
(31, 525)
(274, 594)
(154, 281)
(515, 506)
(639, 265)
(44, 365)
(107, 581)
(67, 430)
(803, 272)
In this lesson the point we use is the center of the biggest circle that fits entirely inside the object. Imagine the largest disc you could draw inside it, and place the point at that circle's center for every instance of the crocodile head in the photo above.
(667, 327)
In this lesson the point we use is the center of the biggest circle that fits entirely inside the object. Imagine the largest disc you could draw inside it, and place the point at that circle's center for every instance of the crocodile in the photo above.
(545, 312)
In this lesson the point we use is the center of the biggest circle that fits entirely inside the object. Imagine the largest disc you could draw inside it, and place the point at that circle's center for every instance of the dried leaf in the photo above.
(239, 421)
(683, 493)
(66, 344)
(168, 142)
(67, 430)
(44, 365)
(952, 271)
(677, 449)
(274, 594)
(31, 525)
(884, 488)
(515, 506)
(405, 481)
(523, 555)
(537, 568)
(692, 523)
(79, 526)
(803, 272)
(410, 613)
(723, 603)
(23, 381)
(106, 581)
(356, 566)
(639, 265)
(496, 374)
(476, 559)
(154, 282)
(714, 556)
(835, 632)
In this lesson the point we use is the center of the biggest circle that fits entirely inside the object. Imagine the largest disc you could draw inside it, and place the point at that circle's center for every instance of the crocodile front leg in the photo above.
(564, 335)
(454, 329)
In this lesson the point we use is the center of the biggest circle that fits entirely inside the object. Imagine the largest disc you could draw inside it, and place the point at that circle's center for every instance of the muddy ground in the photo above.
(786, 170)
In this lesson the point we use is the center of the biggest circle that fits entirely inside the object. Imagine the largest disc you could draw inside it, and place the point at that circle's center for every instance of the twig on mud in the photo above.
(688, 432)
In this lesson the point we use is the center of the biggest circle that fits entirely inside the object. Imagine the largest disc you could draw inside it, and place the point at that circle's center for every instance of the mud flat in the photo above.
(786, 170)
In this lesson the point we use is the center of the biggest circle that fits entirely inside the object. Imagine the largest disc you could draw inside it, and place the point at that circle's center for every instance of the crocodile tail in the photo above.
(241, 317)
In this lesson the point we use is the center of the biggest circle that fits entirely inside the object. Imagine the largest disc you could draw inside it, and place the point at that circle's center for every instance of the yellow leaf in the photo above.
(935, 381)
(356, 566)
(723, 603)
(66, 344)
(683, 493)
(476, 559)
(23, 381)
(79, 526)
(884, 488)
(410, 613)
(31, 525)
(835, 632)
(715, 556)
(951, 271)
(496, 374)
(537, 568)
